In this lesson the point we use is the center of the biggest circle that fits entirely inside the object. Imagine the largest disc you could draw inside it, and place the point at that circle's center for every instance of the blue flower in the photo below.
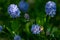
(26, 16)
(50, 8)
(23, 6)
(1, 28)
(17, 37)
(35, 29)
(13, 11)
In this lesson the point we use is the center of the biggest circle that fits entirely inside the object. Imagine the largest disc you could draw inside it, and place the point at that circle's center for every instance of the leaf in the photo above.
(15, 25)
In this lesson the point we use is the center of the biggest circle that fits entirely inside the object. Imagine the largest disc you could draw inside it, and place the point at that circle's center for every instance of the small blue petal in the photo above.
(13, 11)
(50, 8)
(35, 29)
(23, 6)
(1, 28)
(17, 37)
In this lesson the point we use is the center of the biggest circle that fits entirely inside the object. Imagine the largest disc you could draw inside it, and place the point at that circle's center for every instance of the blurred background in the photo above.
(11, 26)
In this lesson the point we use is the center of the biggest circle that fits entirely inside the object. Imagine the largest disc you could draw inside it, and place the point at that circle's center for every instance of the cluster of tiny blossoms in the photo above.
(50, 8)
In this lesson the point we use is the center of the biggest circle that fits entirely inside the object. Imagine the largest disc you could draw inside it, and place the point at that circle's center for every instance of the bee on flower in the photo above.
(35, 29)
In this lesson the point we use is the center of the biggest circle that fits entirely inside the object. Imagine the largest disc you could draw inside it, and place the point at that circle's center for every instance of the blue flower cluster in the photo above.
(1, 28)
(13, 11)
(17, 37)
(23, 6)
(50, 8)
(35, 29)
